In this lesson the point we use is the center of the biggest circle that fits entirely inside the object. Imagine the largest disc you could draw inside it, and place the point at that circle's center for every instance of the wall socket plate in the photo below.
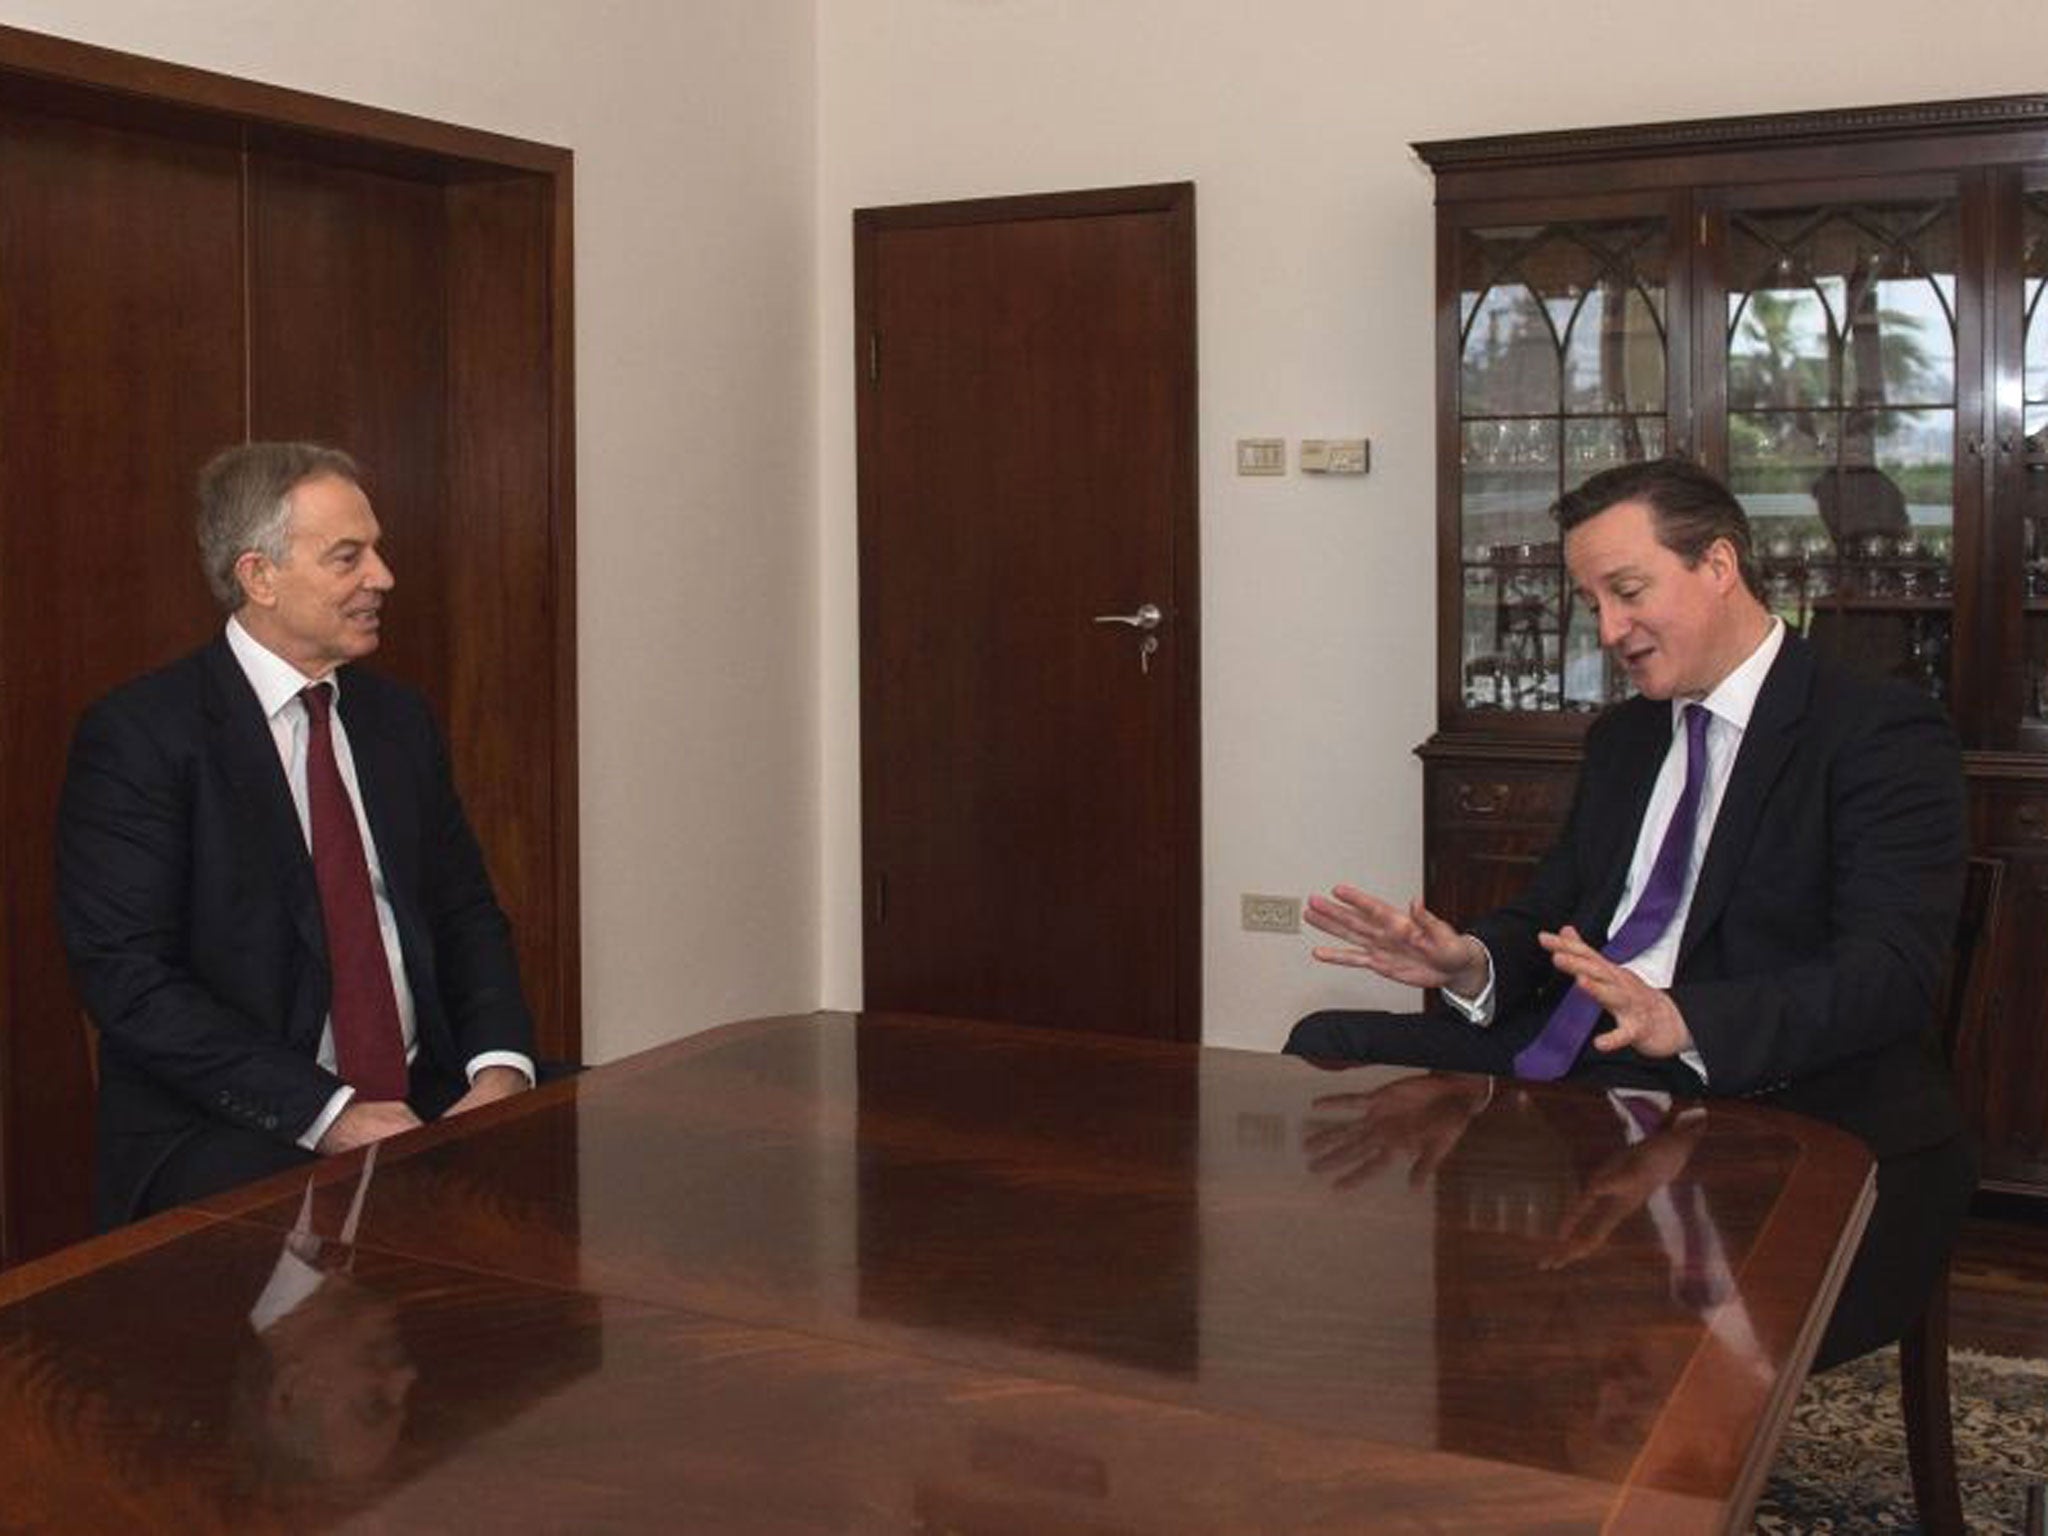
(1335, 455)
(1270, 914)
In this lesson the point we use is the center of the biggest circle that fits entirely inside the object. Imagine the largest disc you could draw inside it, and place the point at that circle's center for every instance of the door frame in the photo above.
(1176, 200)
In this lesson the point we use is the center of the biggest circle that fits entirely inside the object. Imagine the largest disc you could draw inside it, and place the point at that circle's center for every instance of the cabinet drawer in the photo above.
(1478, 797)
(2010, 818)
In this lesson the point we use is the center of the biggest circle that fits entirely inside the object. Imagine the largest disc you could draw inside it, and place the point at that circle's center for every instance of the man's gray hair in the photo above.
(245, 503)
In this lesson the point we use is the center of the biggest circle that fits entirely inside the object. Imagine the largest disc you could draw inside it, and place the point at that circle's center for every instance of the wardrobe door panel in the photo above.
(121, 343)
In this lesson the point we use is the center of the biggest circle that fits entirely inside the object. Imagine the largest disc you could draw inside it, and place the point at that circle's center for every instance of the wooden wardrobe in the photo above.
(187, 260)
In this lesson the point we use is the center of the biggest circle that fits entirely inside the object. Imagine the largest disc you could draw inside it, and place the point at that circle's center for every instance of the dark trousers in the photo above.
(1922, 1195)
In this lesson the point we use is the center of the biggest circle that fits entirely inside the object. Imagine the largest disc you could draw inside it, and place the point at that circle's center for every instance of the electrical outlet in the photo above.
(1270, 914)
(1335, 455)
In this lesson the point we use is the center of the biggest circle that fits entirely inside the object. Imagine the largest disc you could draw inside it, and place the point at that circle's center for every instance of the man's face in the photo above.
(1676, 629)
(322, 606)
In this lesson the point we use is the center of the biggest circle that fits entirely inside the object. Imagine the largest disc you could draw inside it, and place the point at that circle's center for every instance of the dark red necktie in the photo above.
(369, 1043)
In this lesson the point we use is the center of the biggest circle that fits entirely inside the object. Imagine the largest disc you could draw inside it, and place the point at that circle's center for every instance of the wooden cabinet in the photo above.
(1841, 314)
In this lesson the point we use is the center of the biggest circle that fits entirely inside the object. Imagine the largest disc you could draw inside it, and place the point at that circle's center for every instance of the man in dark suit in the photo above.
(1821, 862)
(231, 822)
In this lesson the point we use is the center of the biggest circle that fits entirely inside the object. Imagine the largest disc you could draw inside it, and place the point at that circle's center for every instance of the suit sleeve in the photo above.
(124, 876)
(1893, 846)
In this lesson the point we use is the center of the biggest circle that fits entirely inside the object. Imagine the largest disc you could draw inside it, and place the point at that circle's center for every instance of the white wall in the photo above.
(1314, 252)
(721, 146)
(695, 355)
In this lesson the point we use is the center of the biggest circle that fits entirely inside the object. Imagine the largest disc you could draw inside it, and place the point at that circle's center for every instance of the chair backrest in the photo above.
(1970, 970)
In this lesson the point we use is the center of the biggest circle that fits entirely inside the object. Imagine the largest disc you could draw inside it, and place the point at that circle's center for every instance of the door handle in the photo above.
(1147, 617)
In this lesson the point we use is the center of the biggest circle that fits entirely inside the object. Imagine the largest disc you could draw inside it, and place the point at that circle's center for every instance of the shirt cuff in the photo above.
(1477, 1010)
(310, 1137)
(518, 1061)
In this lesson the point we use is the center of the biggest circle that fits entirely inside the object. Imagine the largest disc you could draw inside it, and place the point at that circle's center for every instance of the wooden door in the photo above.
(1030, 824)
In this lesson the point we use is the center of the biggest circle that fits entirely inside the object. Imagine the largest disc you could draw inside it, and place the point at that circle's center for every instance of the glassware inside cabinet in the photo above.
(1562, 373)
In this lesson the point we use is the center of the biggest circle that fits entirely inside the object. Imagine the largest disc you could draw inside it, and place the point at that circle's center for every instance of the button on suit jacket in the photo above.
(192, 920)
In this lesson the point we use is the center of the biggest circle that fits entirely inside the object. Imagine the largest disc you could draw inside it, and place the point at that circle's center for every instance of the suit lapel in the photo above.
(1768, 740)
(247, 754)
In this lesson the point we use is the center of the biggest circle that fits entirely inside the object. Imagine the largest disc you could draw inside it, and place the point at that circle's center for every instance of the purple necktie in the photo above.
(1551, 1054)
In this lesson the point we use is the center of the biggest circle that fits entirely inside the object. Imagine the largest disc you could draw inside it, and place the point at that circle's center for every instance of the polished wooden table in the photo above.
(889, 1274)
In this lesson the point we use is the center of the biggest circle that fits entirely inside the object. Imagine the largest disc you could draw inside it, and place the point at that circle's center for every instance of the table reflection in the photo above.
(847, 1274)
(322, 1377)
(1586, 1259)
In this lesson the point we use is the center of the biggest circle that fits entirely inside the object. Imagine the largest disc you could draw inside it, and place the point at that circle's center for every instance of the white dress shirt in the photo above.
(1728, 707)
(278, 684)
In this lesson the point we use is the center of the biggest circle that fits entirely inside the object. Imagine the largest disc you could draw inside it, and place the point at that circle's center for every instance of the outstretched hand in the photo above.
(1645, 1017)
(1412, 946)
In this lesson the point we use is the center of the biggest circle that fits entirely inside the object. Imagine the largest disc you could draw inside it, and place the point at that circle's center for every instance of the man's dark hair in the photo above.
(1689, 508)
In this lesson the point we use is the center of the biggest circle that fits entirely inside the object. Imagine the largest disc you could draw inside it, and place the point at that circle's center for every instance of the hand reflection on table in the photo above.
(1419, 1120)
(1623, 1185)
(321, 1385)
(1612, 1281)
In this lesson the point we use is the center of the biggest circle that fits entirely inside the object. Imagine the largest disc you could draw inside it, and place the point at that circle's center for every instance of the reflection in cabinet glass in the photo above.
(1841, 424)
(1562, 372)
(2034, 392)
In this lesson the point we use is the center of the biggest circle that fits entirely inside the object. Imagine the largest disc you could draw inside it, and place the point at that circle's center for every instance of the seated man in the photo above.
(1754, 893)
(275, 910)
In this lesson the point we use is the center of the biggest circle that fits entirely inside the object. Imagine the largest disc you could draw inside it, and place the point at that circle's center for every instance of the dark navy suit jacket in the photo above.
(192, 920)
(1825, 908)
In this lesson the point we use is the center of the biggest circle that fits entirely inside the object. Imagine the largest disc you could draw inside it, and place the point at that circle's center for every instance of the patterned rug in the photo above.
(1842, 1468)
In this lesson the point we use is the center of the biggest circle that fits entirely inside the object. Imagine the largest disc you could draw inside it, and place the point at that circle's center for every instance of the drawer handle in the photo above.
(1482, 799)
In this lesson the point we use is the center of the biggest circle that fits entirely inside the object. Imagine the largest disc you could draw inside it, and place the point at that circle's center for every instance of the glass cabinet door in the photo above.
(1562, 371)
(1839, 358)
(2033, 509)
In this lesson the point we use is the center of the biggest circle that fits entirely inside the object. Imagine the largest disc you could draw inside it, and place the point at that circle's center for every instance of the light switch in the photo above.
(1262, 455)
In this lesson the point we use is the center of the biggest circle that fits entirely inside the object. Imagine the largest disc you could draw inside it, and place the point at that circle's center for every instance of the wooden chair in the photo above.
(1923, 1352)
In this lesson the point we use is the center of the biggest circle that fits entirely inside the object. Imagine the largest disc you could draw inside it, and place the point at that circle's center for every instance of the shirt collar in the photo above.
(1734, 697)
(276, 681)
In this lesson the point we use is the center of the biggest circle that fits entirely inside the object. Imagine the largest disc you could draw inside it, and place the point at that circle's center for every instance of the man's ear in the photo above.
(1725, 563)
(253, 571)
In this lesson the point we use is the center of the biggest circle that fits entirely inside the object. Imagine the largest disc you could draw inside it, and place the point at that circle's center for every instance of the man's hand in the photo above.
(364, 1121)
(1645, 1017)
(489, 1086)
(1415, 947)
